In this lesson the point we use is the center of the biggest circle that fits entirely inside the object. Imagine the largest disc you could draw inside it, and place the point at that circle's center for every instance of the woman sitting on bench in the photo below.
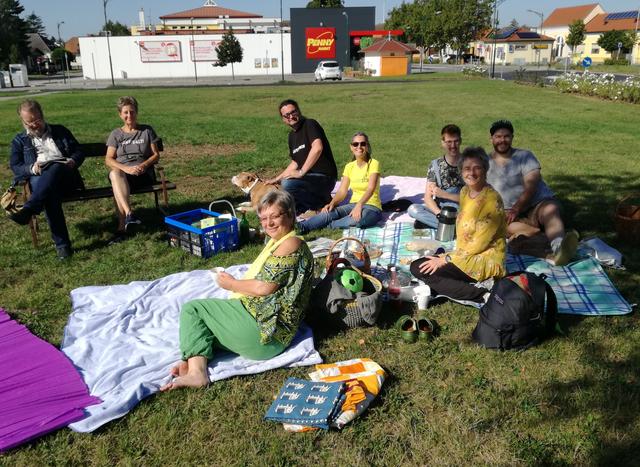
(132, 152)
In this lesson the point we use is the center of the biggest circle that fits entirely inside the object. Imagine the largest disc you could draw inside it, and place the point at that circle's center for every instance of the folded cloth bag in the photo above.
(363, 379)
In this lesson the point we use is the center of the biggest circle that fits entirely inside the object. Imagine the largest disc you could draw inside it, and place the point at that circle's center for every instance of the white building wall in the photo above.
(374, 64)
(127, 63)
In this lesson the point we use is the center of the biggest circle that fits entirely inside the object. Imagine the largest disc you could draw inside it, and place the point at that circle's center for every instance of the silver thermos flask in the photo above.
(446, 224)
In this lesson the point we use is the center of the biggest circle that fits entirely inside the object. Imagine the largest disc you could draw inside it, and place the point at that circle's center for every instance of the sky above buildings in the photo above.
(82, 17)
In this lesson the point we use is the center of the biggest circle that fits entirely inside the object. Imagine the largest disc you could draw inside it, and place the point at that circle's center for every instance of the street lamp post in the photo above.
(495, 34)
(281, 45)
(346, 52)
(64, 49)
(637, 43)
(193, 49)
(541, 15)
(104, 6)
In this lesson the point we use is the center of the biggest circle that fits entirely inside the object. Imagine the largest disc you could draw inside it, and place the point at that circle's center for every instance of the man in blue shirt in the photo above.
(47, 157)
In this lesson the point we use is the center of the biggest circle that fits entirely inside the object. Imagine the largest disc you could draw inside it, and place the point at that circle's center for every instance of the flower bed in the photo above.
(474, 70)
(601, 85)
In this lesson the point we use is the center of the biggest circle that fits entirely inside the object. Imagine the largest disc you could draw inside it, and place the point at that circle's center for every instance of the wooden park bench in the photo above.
(160, 188)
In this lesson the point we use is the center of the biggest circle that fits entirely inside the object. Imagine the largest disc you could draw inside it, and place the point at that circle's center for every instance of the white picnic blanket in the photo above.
(123, 339)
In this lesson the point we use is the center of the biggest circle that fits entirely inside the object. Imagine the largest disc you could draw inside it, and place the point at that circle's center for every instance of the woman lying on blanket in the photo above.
(480, 237)
(265, 309)
(362, 174)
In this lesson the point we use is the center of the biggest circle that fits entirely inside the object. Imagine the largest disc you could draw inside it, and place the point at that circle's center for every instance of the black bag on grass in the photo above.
(521, 310)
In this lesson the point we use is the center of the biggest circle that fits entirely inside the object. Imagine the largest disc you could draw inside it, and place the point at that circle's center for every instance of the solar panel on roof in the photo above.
(622, 15)
(504, 33)
(529, 35)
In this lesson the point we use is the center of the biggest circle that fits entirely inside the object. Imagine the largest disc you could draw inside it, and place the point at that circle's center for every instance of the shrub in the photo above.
(616, 61)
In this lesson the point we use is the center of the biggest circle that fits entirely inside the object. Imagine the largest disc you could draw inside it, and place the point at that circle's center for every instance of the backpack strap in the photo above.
(551, 312)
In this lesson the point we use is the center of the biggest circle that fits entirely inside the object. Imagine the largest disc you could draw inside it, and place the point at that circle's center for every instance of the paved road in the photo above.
(56, 84)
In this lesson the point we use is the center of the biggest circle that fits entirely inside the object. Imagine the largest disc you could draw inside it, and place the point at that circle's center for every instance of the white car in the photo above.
(328, 69)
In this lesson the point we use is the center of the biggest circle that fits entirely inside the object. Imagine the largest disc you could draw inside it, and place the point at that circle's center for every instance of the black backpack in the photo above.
(521, 310)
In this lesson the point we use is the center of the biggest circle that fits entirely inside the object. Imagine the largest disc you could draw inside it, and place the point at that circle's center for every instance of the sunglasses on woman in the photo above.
(362, 144)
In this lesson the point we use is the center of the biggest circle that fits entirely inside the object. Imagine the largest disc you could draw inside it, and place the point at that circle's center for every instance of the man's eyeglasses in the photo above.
(35, 122)
(362, 144)
(288, 115)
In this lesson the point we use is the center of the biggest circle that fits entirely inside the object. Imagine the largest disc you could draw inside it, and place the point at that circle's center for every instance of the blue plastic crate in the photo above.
(201, 242)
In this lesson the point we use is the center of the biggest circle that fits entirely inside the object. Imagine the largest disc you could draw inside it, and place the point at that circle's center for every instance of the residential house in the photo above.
(557, 24)
(620, 21)
(514, 46)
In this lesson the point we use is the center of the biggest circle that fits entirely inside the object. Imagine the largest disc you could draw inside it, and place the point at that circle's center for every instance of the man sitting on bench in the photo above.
(47, 157)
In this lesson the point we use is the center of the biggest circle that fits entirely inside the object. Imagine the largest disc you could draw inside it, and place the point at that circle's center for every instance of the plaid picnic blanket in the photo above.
(392, 239)
(582, 287)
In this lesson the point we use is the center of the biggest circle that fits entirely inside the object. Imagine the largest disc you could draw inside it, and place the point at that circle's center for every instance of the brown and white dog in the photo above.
(251, 185)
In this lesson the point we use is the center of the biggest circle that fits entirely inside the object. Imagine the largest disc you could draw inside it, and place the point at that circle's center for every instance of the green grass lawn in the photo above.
(573, 400)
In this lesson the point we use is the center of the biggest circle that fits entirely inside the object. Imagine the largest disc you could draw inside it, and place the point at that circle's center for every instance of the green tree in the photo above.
(57, 55)
(438, 23)
(229, 51)
(609, 41)
(463, 20)
(13, 42)
(117, 28)
(34, 24)
(325, 4)
(576, 35)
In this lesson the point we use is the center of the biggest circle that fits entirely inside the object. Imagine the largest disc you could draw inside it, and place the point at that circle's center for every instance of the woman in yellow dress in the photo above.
(481, 237)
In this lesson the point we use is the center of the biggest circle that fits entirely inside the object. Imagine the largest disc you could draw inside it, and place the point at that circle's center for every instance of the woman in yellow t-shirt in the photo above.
(364, 209)
(480, 237)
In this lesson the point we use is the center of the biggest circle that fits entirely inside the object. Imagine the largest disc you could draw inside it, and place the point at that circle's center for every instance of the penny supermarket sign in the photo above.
(320, 42)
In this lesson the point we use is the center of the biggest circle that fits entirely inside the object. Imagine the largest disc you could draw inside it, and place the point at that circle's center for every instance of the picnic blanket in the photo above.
(581, 287)
(41, 391)
(392, 238)
(124, 340)
(395, 187)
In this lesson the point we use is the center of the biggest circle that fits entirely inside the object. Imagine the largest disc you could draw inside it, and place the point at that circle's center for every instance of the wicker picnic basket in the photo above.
(627, 219)
(357, 312)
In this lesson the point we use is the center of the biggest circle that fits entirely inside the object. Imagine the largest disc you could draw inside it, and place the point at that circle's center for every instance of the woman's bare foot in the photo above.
(186, 381)
(180, 369)
(190, 374)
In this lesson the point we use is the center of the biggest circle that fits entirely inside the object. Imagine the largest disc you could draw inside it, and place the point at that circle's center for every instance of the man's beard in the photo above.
(36, 132)
(497, 148)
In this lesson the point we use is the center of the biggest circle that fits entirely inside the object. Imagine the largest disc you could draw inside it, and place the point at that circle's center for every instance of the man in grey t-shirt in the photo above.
(530, 205)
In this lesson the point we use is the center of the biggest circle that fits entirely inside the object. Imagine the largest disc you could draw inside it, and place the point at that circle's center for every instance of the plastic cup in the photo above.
(422, 296)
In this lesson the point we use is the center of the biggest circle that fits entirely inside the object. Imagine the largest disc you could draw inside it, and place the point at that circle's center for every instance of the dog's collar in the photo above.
(248, 190)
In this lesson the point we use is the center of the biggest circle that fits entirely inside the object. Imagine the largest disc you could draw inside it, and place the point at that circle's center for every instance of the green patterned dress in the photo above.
(279, 314)
(258, 328)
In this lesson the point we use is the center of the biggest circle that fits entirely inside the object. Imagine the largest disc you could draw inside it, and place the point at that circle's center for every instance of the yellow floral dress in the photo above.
(481, 230)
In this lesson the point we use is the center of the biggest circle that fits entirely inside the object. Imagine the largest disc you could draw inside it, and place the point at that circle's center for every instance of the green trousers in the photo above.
(224, 324)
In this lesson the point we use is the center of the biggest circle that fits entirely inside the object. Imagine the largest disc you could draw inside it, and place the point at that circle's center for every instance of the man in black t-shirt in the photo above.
(312, 173)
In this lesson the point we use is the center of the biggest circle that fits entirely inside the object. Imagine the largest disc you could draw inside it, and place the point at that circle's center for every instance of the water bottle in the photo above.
(394, 289)
(244, 230)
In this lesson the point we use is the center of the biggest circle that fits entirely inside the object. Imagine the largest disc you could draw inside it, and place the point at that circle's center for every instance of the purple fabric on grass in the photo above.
(41, 390)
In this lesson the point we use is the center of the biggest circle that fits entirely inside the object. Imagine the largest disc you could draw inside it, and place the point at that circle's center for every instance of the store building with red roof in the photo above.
(210, 18)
